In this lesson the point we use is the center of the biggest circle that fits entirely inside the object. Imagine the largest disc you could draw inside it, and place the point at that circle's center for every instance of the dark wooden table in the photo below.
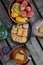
(35, 45)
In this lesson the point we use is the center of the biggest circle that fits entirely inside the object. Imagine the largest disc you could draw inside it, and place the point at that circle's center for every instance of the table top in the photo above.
(34, 45)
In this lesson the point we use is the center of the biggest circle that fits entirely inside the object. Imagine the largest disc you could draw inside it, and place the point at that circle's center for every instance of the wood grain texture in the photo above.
(6, 21)
(37, 48)
(41, 41)
(39, 4)
(34, 47)
(34, 54)
(39, 7)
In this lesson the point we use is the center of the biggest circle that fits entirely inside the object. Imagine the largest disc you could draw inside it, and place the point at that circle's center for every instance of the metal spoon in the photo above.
(25, 54)
(39, 25)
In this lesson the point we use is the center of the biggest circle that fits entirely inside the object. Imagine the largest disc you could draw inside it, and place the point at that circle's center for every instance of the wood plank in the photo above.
(6, 21)
(4, 60)
(41, 41)
(3, 43)
(37, 47)
(4, 17)
(30, 63)
(12, 44)
(39, 4)
(6, 3)
(9, 62)
(34, 54)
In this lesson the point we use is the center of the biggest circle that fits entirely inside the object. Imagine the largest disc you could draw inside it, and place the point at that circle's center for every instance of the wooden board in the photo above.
(39, 6)
(34, 54)
(33, 45)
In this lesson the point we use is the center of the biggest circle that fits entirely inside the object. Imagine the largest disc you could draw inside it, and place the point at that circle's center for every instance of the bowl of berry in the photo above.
(20, 11)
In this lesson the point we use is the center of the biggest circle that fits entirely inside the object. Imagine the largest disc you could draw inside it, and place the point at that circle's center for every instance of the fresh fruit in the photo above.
(15, 5)
(23, 13)
(25, 3)
(14, 14)
(19, 0)
(28, 8)
(20, 19)
(15, 8)
(30, 14)
(22, 7)
(17, 11)
(26, 18)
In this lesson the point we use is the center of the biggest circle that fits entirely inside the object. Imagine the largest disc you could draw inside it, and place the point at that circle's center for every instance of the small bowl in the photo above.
(16, 50)
(3, 31)
(35, 27)
(6, 50)
(9, 11)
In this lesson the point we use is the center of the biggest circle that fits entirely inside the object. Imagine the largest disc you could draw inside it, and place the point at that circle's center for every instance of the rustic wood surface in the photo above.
(34, 45)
